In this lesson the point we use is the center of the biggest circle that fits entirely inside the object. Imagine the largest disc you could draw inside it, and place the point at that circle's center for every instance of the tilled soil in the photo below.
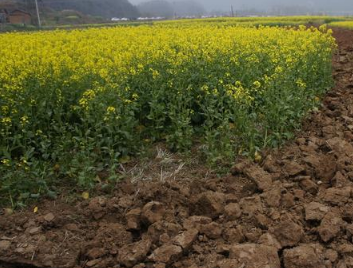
(294, 210)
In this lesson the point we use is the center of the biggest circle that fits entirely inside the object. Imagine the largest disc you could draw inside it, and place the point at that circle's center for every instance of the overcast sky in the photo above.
(327, 5)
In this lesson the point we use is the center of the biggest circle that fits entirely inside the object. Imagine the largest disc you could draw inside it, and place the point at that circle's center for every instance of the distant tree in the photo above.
(104, 8)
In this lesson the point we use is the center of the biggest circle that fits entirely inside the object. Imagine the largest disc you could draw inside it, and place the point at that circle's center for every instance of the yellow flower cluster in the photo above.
(255, 21)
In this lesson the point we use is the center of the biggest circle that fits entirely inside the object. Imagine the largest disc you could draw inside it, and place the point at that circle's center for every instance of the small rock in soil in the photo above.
(97, 207)
(255, 256)
(196, 222)
(93, 262)
(251, 205)
(133, 219)
(212, 230)
(125, 202)
(210, 204)
(72, 227)
(298, 195)
(349, 229)
(273, 196)
(330, 226)
(337, 196)
(288, 233)
(339, 180)
(232, 211)
(345, 248)
(239, 167)
(95, 253)
(152, 212)
(293, 169)
(253, 235)
(262, 221)
(288, 200)
(304, 256)
(261, 177)
(114, 234)
(315, 211)
(34, 230)
(269, 240)
(228, 263)
(331, 255)
(4, 245)
(156, 230)
(166, 254)
(141, 265)
(347, 212)
(132, 254)
(270, 165)
(326, 172)
(340, 146)
(234, 235)
(159, 265)
(186, 239)
(49, 217)
(309, 186)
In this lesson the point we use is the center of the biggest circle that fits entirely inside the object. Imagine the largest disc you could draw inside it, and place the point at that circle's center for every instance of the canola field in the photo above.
(258, 21)
(343, 24)
(74, 103)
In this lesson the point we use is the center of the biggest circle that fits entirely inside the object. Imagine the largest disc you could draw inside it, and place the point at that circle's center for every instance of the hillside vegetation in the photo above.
(102, 8)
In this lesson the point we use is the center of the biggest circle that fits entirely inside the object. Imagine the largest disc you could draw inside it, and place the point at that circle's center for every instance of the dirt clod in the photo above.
(255, 256)
(330, 226)
(133, 218)
(4, 245)
(232, 211)
(261, 177)
(153, 212)
(315, 211)
(212, 230)
(270, 240)
(293, 169)
(130, 255)
(288, 233)
(166, 254)
(337, 196)
(209, 204)
(304, 256)
(49, 217)
(309, 186)
(186, 239)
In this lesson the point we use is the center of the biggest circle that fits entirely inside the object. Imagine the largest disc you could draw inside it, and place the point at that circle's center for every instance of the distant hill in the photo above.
(103, 8)
(162, 8)
(156, 8)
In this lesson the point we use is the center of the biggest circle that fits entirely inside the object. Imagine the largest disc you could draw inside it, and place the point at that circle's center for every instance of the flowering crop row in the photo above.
(344, 24)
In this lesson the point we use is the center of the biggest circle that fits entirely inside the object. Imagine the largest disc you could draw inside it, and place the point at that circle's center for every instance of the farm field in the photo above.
(112, 138)
(78, 103)
(264, 21)
(344, 24)
(224, 21)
